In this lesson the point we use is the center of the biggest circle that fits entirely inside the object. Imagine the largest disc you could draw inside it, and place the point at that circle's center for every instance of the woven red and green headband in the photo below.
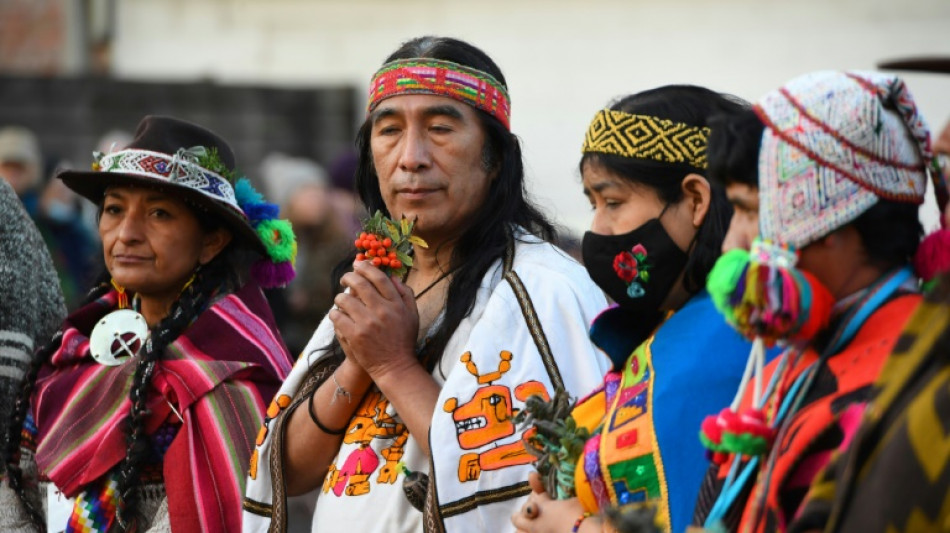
(443, 78)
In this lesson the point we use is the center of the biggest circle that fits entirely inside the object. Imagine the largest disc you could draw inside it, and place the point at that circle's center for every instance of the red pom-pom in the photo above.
(753, 421)
(712, 428)
(933, 255)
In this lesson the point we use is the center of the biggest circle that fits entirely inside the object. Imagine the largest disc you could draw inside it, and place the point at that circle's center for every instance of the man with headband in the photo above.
(842, 168)
(399, 413)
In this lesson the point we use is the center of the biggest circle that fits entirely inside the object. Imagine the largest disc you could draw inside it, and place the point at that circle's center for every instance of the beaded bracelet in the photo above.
(579, 521)
(313, 416)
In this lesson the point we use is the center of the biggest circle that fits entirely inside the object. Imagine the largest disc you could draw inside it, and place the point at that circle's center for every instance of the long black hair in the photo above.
(691, 105)
(486, 236)
(221, 273)
(733, 149)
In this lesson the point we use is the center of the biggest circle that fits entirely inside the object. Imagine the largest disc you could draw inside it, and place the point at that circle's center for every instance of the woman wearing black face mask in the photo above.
(657, 230)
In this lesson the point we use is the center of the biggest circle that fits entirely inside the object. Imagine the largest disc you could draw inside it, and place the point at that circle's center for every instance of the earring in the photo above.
(123, 297)
(191, 280)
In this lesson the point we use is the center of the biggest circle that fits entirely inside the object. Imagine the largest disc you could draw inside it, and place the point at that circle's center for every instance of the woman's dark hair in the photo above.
(219, 273)
(890, 232)
(691, 105)
(733, 148)
(505, 208)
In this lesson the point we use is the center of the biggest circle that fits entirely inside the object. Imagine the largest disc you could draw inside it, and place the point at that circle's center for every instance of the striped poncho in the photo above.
(217, 375)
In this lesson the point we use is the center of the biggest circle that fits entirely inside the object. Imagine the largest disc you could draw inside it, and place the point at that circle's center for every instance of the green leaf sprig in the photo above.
(388, 244)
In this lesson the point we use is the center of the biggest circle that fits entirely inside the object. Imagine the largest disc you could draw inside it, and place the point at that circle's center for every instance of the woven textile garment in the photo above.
(823, 422)
(895, 474)
(644, 417)
(219, 374)
(31, 302)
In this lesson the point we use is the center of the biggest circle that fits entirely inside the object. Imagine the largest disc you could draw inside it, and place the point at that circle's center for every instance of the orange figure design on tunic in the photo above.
(371, 421)
(489, 417)
(277, 405)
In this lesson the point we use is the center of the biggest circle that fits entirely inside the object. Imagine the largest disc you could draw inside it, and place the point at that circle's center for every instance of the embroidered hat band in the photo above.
(646, 137)
(442, 78)
(197, 166)
(180, 169)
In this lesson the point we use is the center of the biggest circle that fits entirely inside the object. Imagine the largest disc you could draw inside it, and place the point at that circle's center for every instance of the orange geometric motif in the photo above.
(489, 417)
(371, 421)
(275, 408)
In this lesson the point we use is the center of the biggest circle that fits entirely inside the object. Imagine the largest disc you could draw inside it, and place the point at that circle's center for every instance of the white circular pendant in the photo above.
(117, 337)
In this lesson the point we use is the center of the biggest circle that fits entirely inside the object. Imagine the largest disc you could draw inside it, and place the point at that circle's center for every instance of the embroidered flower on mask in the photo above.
(632, 266)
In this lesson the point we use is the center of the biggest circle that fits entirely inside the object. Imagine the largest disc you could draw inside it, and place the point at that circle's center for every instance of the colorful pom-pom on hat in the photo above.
(763, 295)
(276, 269)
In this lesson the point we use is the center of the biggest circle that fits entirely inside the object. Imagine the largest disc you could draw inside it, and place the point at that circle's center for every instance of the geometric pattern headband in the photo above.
(442, 78)
(646, 137)
(180, 169)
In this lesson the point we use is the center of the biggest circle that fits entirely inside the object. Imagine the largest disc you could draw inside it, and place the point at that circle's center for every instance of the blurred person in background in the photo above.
(300, 187)
(343, 195)
(55, 209)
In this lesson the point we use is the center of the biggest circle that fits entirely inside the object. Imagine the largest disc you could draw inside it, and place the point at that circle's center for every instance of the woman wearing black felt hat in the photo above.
(141, 412)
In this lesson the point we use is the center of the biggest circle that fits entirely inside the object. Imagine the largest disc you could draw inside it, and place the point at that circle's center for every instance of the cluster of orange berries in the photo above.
(376, 250)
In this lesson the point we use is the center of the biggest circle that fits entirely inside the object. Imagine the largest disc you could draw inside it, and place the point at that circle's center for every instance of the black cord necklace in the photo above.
(434, 283)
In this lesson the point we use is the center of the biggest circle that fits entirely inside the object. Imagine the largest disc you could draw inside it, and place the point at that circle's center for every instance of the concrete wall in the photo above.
(563, 59)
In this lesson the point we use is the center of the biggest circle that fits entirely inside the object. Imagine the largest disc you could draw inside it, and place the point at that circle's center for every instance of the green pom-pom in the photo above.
(278, 239)
(724, 278)
(745, 443)
(709, 444)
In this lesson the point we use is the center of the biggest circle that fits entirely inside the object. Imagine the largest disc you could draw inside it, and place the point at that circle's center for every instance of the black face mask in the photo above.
(636, 269)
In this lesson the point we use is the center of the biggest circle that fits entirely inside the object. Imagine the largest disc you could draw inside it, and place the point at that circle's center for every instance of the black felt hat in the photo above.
(180, 158)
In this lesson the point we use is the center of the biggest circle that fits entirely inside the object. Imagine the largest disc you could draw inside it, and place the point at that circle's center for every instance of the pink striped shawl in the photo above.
(219, 374)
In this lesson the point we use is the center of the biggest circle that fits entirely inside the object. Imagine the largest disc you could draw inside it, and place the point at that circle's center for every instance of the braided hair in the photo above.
(193, 300)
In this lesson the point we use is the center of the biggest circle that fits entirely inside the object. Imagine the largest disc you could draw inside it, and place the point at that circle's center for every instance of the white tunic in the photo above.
(526, 332)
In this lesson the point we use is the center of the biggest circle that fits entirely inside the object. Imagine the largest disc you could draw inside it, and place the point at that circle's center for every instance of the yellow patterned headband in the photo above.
(646, 137)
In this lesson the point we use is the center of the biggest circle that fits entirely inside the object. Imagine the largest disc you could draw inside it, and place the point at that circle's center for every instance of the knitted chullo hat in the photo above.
(834, 144)
(198, 166)
(31, 302)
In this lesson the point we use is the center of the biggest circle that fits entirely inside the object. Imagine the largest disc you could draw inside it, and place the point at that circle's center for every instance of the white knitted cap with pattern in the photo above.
(835, 143)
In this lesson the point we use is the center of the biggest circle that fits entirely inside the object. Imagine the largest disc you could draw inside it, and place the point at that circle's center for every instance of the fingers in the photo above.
(405, 293)
(342, 324)
(367, 280)
(348, 304)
